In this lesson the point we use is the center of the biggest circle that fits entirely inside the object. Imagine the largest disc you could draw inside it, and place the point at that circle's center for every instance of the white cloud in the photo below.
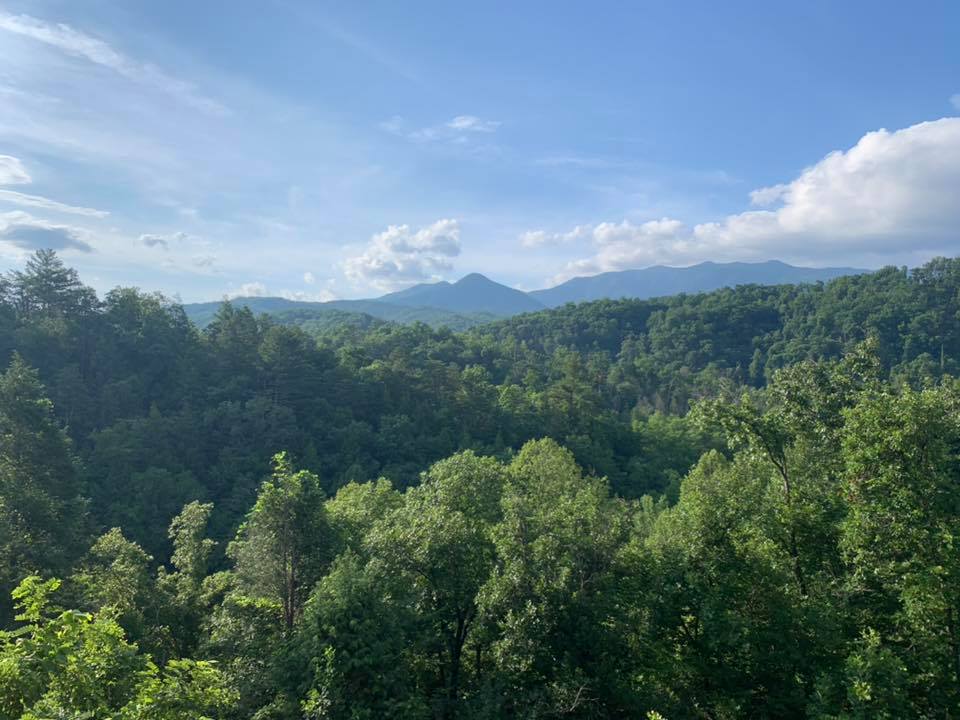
(955, 101)
(301, 296)
(763, 197)
(399, 256)
(890, 188)
(78, 44)
(309, 278)
(534, 238)
(471, 123)
(456, 131)
(891, 194)
(12, 171)
(624, 245)
(259, 289)
(250, 289)
(541, 238)
(18, 198)
(25, 232)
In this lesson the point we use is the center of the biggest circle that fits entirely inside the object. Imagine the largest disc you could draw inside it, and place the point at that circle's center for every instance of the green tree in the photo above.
(552, 595)
(285, 543)
(439, 543)
(65, 663)
(42, 513)
(900, 536)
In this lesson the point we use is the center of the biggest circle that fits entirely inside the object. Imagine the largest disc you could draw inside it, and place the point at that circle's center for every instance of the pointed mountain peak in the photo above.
(475, 279)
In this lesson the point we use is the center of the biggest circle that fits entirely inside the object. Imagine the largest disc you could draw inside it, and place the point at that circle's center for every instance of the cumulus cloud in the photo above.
(400, 256)
(764, 197)
(323, 295)
(26, 232)
(541, 238)
(250, 289)
(890, 194)
(624, 245)
(309, 278)
(12, 171)
(888, 189)
(78, 44)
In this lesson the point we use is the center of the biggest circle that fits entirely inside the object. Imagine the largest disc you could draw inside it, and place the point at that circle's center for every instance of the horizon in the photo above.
(487, 277)
(370, 149)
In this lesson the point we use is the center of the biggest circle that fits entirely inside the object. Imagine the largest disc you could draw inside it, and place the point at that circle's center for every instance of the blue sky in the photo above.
(344, 149)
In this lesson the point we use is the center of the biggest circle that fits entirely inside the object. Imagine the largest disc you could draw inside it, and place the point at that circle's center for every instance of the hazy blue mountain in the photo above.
(661, 280)
(325, 314)
(475, 299)
(472, 293)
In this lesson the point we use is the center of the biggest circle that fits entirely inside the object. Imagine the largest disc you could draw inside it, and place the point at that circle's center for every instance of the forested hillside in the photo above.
(734, 504)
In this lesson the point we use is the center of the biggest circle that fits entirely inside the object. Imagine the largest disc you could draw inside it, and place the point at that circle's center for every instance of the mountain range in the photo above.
(475, 299)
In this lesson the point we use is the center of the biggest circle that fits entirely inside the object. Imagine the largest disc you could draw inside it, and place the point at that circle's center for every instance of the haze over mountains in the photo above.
(475, 299)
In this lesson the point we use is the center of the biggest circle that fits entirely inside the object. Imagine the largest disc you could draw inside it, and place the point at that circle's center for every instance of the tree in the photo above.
(46, 286)
(115, 575)
(439, 543)
(357, 507)
(359, 641)
(284, 544)
(65, 663)
(902, 464)
(183, 591)
(551, 597)
(42, 514)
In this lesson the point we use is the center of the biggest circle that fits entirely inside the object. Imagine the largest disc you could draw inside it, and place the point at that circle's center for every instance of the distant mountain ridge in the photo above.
(471, 294)
(475, 299)
(662, 280)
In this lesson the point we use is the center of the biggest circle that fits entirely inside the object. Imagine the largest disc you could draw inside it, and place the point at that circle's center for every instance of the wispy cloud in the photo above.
(36, 201)
(471, 123)
(955, 101)
(455, 131)
(79, 44)
(12, 171)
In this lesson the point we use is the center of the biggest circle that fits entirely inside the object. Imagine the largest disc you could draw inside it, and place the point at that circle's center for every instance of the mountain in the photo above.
(661, 280)
(338, 312)
(474, 299)
(473, 293)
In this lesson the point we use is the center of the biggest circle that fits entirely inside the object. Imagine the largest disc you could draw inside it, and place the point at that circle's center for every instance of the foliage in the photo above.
(739, 504)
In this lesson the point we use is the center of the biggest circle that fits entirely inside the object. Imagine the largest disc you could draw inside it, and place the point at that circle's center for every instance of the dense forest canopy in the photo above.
(741, 503)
